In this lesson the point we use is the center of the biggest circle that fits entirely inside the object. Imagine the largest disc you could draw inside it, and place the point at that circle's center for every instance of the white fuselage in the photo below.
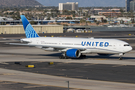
(86, 45)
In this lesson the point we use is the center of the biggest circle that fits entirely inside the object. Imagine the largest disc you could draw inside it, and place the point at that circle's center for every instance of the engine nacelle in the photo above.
(73, 53)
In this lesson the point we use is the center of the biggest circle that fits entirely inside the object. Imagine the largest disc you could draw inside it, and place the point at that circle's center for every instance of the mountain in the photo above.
(86, 3)
(18, 3)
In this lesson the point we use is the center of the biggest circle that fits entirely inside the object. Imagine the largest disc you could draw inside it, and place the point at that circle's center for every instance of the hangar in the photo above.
(18, 29)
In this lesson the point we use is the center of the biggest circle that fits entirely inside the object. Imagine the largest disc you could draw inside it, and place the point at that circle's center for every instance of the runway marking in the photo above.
(32, 86)
(78, 76)
(87, 64)
(71, 78)
(1, 55)
(7, 82)
(100, 59)
(56, 86)
(50, 85)
(60, 74)
(8, 74)
(63, 70)
(118, 65)
(4, 63)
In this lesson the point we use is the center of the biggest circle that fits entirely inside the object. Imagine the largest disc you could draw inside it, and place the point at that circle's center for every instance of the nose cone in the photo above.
(130, 48)
(127, 49)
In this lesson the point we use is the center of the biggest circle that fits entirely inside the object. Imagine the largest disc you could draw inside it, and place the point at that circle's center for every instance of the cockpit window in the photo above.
(126, 45)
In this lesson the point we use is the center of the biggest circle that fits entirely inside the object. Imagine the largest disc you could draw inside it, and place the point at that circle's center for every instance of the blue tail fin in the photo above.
(29, 31)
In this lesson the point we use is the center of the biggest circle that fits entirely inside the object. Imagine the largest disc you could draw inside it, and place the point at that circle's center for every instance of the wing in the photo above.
(47, 48)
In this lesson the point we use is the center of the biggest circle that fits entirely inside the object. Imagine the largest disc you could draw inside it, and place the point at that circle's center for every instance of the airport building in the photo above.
(110, 14)
(18, 29)
(132, 6)
(68, 6)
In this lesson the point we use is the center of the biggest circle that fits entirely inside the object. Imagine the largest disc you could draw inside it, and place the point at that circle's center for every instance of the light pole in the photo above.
(68, 84)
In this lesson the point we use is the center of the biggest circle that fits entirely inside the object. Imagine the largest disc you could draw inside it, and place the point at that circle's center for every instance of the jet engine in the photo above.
(73, 53)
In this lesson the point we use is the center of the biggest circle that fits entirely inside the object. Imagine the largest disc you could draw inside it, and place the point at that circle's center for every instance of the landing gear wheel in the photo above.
(66, 57)
(121, 54)
(60, 57)
(120, 58)
(63, 57)
(83, 56)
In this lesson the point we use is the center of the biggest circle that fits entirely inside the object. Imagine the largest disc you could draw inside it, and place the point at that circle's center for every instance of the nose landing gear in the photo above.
(121, 54)
(120, 58)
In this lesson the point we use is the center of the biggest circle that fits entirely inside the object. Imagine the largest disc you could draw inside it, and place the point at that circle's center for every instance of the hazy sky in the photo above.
(85, 3)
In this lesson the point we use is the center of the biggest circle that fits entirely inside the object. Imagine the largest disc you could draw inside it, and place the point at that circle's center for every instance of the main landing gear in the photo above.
(121, 54)
(82, 56)
(63, 56)
(120, 58)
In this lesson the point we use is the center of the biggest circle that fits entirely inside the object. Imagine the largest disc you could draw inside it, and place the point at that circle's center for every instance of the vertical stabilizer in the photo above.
(29, 31)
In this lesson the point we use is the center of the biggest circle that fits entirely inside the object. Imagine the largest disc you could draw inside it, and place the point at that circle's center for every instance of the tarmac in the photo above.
(92, 73)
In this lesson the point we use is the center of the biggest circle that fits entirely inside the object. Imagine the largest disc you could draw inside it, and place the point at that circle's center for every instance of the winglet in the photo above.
(29, 31)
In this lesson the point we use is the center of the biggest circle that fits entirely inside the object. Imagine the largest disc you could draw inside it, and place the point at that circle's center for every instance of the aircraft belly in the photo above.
(107, 51)
(101, 50)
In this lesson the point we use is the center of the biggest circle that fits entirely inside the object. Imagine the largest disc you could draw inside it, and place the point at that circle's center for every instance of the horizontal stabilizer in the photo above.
(11, 39)
(20, 44)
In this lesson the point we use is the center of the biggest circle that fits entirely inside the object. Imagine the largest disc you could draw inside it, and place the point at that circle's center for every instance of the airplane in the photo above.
(72, 47)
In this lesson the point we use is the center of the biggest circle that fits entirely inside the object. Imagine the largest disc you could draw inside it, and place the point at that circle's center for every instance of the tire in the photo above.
(82, 56)
(60, 57)
(120, 58)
